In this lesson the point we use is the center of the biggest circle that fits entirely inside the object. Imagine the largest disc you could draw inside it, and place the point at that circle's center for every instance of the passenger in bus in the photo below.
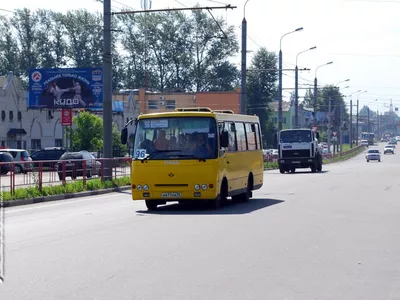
(161, 142)
(191, 146)
(202, 148)
(173, 145)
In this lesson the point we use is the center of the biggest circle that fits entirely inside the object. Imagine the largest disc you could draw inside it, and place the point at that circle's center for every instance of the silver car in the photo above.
(373, 154)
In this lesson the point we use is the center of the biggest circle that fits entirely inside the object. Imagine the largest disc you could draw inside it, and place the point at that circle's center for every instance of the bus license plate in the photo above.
(171, 195)
(296, 162)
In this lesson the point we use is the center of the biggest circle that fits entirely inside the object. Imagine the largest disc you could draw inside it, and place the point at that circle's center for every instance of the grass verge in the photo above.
(69, 188)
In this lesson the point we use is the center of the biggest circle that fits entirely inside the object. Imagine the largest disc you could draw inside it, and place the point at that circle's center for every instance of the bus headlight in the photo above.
(204, 186)
(197, 187)
(146, 187)
(139, 187)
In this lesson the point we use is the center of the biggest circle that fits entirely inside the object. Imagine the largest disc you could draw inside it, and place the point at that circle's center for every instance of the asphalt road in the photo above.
(330, 235)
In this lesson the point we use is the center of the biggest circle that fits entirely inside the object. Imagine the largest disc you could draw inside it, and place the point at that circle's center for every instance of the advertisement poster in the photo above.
(65, 88)
(66, 117)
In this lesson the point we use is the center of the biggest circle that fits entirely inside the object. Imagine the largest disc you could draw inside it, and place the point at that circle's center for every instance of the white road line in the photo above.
(69, 201)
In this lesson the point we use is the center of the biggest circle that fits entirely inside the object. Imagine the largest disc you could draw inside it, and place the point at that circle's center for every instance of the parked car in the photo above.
(20, 155)
(373, 154)
(74, 165)
(5, 157)
(48, 154)
(388, 149)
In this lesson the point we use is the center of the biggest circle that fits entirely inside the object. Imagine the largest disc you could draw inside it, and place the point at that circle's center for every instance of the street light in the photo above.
(296, 90)
(280, 117)
(347, 80)
(316, 89)
(243, 100)
(358, 102)
(369, 128)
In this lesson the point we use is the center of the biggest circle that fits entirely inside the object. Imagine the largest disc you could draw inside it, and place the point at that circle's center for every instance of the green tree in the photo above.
(261, 90)
(88, 134)
(9, 51)
(25, 23)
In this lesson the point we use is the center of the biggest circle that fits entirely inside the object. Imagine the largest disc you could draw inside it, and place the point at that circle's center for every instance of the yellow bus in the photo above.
(193, 154)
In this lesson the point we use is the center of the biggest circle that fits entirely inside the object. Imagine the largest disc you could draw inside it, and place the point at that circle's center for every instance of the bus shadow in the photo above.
(230, 208)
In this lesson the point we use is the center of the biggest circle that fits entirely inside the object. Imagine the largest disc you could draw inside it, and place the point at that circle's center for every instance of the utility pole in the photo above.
(351, 124)
(329, 125)
(107, 91)
(315, 100)
(280, 112)
(296, 98)
(243, 90)
(357, 122)
(369, 129)
(341, 129)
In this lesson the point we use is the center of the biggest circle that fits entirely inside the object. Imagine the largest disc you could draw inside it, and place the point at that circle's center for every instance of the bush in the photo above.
(68, 188)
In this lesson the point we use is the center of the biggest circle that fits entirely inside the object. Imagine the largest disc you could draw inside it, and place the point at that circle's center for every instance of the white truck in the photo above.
(299, 148)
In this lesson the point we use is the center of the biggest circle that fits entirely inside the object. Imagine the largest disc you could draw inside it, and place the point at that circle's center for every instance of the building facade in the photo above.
(150, 102)
(34, 129)
(288, 115)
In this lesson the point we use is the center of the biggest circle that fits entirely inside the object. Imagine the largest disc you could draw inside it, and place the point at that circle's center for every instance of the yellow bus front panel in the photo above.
(172, 180)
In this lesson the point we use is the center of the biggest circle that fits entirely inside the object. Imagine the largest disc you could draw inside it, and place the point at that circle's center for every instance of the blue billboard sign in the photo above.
(65, 88)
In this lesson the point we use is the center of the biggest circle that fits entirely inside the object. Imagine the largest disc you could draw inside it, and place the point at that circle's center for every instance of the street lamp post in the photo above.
(351, 116)
(243, 98)
(316, 90)
(358, 103)
(369, 127)
(296, 90)
(280, 113)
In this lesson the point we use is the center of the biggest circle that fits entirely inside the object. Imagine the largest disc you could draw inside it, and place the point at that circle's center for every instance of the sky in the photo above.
(359, 36)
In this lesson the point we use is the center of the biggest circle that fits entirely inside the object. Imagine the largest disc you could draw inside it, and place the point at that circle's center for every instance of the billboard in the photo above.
(65, 88)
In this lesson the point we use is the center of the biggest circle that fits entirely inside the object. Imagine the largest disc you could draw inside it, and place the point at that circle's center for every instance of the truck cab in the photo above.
(299, 148)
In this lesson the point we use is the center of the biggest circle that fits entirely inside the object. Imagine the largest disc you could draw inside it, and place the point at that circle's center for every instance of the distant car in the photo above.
(373, 154)
(74, 167)
(392, 144)
(5, 158)
(364, 143)
(275, 153)
(388, 149)
(48, 154)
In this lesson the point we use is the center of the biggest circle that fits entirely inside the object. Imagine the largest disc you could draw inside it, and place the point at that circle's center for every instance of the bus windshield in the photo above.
(295, 136)
(175, 138)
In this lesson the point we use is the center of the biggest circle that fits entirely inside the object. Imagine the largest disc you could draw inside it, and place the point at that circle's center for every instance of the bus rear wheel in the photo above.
(151, 205)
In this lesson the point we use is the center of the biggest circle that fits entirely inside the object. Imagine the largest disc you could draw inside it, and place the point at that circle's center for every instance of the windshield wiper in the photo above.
(191, 156)
(158, 152)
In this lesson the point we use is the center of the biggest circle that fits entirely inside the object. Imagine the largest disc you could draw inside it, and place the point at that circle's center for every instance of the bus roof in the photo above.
(223, 115)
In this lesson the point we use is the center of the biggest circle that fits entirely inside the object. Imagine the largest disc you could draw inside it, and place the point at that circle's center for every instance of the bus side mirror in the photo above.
(224, 139)
(317, 135)
(124, 136)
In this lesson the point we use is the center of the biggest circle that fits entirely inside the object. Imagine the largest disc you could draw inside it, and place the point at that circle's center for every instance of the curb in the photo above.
(12, 203)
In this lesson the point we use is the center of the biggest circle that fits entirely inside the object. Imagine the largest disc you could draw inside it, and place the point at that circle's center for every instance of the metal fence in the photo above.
(51, 173)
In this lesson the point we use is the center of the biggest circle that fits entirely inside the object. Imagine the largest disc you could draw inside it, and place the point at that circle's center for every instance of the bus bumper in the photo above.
(167, 196)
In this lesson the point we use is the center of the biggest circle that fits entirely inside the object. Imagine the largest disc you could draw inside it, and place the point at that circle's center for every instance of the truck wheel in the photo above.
(292, 170)
(282, 170)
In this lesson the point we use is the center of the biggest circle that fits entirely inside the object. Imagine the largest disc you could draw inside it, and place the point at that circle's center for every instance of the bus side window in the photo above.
(258, 137)
(230, 127)
(251, 136)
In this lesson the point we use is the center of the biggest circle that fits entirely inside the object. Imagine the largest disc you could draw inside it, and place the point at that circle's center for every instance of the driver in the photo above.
(161, 142)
